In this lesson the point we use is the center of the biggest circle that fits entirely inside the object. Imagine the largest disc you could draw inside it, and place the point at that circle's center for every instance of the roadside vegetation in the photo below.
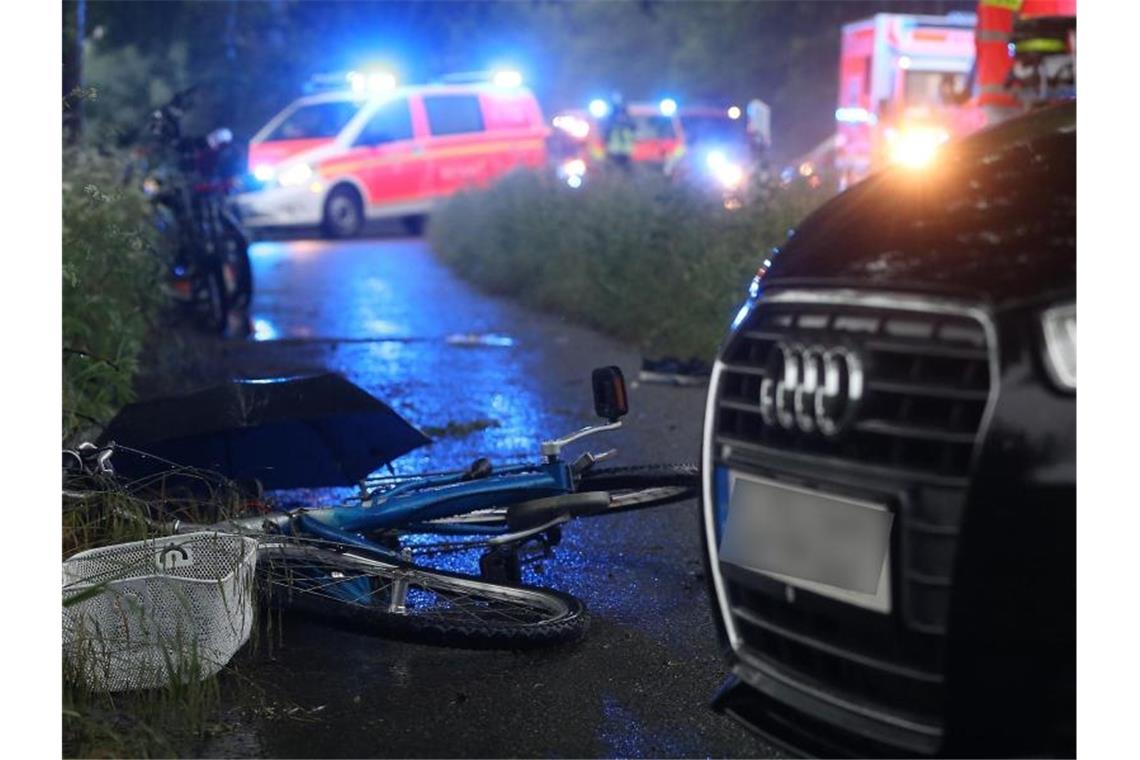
(172, 720)
(655, 263)
(111, 302)
(110, 287)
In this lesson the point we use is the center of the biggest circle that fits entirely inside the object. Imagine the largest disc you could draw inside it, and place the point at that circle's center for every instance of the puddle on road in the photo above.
(381, 331)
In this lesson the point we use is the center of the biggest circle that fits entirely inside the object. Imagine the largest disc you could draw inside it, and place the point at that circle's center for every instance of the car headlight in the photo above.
(916, 146)
(264, 173)
(296, 174)
(1059, 326)
(575, 167)
(728, 173)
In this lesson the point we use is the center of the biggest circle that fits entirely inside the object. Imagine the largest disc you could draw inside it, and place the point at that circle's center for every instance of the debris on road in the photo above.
(455, 429)
(480, 339)
(673, 371)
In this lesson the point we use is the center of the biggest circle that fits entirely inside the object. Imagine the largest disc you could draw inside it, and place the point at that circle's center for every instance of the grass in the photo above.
(656, 263)
(158, 722)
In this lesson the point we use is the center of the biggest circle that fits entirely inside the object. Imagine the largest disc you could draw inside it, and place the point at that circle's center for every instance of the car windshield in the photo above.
(653, 127)
(927, 88)
(315, 121)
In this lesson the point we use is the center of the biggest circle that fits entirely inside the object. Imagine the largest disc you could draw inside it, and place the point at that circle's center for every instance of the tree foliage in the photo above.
(110, 288)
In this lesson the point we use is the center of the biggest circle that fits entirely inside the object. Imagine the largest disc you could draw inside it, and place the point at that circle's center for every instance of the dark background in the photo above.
(256, 56)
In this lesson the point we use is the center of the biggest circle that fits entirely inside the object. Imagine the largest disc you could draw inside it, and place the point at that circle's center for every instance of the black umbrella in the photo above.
(297, 432)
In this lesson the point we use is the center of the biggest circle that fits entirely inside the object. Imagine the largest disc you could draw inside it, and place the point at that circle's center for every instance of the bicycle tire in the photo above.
(642, 486)
(628, 489)
(235, 257)
(354, 590)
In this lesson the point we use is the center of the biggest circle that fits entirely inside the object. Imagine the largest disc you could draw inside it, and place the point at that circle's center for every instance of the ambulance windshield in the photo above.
(930, 88)
(315, 121)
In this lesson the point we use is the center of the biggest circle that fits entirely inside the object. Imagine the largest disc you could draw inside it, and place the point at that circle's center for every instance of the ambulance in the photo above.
(373, 150)
(898, 77)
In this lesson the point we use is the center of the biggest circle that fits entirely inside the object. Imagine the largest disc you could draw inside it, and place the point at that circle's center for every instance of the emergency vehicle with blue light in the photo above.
(908, 83)
(894, 71)
(373, 149)
(579, 136)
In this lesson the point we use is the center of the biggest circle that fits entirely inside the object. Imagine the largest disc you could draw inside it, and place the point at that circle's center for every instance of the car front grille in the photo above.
(927, 384)
(909, 443)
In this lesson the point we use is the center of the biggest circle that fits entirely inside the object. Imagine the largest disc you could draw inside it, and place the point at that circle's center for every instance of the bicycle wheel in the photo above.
(402, 600)
(236, 269)
(641, 487)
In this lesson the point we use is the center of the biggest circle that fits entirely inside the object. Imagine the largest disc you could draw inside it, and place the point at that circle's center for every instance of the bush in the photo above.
(110, 287)
(648, 261)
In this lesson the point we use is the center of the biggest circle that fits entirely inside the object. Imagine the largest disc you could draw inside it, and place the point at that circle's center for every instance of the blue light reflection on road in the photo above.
(263, 329)
(397, 322)
(381, 313)
(390, 317)
(623, 734)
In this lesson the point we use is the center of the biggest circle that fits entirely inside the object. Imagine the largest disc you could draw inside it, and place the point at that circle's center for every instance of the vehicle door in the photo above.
(460, 153)
(385, 157)
(516, 133)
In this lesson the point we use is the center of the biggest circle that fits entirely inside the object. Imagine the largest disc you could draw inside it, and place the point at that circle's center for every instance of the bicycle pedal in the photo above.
(535, 551)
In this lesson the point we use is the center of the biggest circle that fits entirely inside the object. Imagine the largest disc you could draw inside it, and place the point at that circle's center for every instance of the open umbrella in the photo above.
(298, 432)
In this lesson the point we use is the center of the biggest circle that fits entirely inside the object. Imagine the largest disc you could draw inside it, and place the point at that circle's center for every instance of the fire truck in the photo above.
(907, 82)
(577, 140)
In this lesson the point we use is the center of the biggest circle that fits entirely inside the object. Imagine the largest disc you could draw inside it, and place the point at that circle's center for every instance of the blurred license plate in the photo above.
(830, 545)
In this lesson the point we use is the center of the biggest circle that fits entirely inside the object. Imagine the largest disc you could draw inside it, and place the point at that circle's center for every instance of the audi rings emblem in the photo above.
(812, 389)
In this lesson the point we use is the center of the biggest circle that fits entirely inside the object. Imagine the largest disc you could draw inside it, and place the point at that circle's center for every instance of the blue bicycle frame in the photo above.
(413, 504)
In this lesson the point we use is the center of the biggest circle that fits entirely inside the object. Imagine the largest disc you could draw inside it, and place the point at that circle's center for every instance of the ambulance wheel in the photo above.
(344, 213)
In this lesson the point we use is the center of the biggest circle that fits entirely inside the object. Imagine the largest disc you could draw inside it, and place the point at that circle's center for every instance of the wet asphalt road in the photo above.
(381, 312)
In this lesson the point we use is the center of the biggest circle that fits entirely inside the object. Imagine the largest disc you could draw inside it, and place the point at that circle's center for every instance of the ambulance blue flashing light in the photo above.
(599, 108)
(507, 78)
(668, 107)
(371, 82)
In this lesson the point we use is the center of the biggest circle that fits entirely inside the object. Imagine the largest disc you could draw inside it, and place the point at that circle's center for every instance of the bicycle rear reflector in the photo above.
(610, 400)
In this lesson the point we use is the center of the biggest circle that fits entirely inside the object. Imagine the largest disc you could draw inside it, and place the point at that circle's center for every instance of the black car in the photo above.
(889, 464)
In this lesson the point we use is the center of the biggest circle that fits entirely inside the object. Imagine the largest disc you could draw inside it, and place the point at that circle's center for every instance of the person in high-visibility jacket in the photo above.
(620, 134)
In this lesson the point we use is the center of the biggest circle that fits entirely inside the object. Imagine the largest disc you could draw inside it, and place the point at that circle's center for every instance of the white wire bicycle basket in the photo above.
(145, 614)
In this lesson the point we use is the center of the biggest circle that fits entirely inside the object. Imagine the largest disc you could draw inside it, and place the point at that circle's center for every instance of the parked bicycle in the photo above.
(188, 180)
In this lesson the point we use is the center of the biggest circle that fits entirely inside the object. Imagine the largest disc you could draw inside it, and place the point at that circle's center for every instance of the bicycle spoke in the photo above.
(429, 596)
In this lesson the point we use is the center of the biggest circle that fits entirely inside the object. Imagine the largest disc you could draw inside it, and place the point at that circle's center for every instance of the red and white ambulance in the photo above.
(895, 73)
(335, 159)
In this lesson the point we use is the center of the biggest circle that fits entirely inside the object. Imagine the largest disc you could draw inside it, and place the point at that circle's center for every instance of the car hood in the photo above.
(297, 151)
(276, 151)
(993, 218)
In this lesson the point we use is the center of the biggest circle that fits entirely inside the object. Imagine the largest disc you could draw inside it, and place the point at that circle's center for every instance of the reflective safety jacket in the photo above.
(620, 136)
